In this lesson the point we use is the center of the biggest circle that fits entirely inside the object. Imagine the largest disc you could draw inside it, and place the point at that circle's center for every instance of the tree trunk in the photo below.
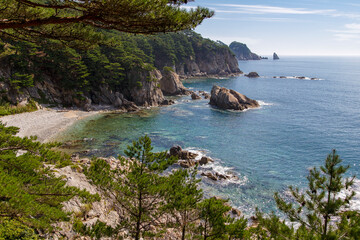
(183, 232)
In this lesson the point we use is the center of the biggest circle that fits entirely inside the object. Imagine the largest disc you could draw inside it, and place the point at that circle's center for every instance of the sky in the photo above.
(287, 27)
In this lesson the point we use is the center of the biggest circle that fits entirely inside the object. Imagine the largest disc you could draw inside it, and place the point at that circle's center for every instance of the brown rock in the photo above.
(170, 84)
(194, 96)
(187, 163)
(221, 176)
(230, 99)
(236, 212)
(209, 175)
(205, 160)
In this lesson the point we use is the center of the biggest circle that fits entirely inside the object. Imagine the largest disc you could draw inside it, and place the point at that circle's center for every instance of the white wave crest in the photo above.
(218, 167)
(262, 103)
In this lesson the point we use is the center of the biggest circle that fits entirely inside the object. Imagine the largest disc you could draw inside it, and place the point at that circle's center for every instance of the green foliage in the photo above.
(182, 196)
(95, 231)
(111, 63)
(213, 218)
(11, 229)
(137, 188)
(29, 191)
(320, 211)
(77, 22)
(7, 109)
(168, 69)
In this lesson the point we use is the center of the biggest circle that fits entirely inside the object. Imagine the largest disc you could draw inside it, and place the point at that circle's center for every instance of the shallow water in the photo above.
(299, 123)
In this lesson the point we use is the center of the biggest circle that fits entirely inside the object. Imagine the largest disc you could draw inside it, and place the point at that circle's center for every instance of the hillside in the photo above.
(242, 52)
(126, 68)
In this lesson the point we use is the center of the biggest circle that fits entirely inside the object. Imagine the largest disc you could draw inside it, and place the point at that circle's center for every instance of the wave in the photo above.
(262, 103)
(218, 167)
(300, 78)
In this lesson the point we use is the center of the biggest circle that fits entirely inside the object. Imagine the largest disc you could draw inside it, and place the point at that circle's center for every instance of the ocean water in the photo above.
(300, 121)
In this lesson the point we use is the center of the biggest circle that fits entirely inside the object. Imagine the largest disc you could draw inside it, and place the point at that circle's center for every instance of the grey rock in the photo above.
(252, 75)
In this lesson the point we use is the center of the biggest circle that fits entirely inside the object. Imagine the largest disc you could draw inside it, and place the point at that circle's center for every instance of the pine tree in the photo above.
(321, 211)
(137, 188)
(75, 20)
(30, 194)
(182, 196)
(213, 215)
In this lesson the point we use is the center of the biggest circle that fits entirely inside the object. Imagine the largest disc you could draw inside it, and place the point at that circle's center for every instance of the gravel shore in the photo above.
(44, 123)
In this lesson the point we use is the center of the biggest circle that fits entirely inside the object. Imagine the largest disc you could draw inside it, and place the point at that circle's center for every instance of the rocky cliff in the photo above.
(242, 52)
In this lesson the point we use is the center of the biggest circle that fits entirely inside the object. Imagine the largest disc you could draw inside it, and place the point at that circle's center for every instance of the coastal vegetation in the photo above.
(153, 200)
(8, 109)
(47, 72)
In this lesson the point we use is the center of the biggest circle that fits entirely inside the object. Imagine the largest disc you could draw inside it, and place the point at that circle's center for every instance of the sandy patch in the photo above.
(45, 123)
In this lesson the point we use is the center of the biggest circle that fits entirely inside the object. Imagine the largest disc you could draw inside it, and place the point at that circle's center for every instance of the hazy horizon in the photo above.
(301, 28)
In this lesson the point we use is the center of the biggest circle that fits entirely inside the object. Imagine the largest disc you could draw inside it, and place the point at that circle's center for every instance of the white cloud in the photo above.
(263, 9)
(266, 9)
(350, 32)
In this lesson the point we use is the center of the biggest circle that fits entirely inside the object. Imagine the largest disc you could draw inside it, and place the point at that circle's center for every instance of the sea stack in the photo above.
(224, 98)
(275, 57)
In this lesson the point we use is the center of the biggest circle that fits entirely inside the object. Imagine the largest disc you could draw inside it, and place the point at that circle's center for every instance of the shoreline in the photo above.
(45, 123)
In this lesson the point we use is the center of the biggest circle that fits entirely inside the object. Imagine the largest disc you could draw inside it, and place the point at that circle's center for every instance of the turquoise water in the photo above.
(269, 148)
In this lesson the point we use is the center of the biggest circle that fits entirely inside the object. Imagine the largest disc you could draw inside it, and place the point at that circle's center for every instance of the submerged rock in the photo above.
(229, 99)
(194, 96)
(252, 75)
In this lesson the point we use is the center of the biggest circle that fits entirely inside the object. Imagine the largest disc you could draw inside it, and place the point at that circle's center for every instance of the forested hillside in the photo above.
(123, 64)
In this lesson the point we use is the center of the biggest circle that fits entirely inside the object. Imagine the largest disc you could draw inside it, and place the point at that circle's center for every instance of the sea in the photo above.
(268, 149)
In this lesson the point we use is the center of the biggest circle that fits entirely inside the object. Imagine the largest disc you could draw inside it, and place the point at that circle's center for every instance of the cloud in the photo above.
(350, 32)
(264, 9)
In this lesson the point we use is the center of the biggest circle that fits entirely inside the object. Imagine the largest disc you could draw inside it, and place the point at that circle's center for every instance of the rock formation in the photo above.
(170, 84)
(194, 96)
(242, 52)
(146, 93)
(275, 56)
(229, 99)
(252, 75)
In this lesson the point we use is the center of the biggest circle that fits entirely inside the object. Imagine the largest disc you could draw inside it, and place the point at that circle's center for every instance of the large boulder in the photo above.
(229, 99)
(170, 84)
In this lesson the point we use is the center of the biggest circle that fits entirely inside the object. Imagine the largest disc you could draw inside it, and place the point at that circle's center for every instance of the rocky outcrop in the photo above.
(229, 99)
(275, 56)
(146, 93)
(170, 84)
(252, 75)
(194, 96)
(242, 52)
(178, 152)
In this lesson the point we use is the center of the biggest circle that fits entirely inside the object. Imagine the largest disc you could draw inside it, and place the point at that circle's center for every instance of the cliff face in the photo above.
(215, 62)
(129, 74)
(242, 52)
